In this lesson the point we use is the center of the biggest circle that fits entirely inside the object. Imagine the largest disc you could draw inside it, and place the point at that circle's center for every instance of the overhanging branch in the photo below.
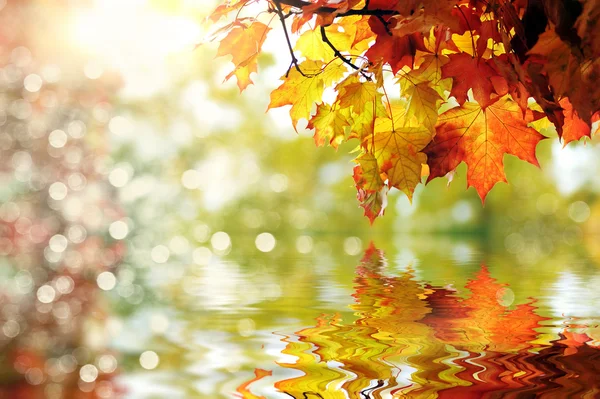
(332, 10)
(337, 53)
(287, 39)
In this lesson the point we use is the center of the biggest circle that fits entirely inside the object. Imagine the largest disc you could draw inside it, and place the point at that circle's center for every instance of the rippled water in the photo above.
(422, 319)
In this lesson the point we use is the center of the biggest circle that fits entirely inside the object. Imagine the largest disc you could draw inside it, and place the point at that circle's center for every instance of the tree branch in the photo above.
(339, 55)
(332, 10)
(287, 39)
(385, 24)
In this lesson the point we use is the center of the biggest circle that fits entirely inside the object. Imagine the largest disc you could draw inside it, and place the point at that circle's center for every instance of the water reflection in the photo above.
(412, 339)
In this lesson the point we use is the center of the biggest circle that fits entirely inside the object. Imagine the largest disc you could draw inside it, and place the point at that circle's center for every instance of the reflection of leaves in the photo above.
(243, 388)
(318, 374)
(481, 322)
(445, 341)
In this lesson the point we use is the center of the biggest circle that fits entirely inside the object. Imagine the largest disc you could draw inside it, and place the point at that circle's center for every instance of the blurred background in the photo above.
(156, 227)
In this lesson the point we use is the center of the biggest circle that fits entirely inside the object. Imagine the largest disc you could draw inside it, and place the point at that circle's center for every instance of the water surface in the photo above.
(325, 317)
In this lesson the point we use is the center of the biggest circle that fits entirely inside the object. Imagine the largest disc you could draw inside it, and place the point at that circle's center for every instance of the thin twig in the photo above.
(385, 24)
(470, 30)
(287, 39)
(340, 56)
(331, 10)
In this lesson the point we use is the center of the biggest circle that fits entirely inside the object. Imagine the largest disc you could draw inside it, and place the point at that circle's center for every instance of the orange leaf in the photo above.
(393, 50)
(243, 43)
(574, 128)
(480, 137)
(471, 73)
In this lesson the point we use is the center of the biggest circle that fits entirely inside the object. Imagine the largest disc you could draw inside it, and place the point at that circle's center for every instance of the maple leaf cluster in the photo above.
(425, 85)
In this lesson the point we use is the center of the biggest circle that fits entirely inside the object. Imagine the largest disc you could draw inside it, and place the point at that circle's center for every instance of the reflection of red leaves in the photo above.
(572, 341)
(480, 321)
(458, 348)
(243, 388)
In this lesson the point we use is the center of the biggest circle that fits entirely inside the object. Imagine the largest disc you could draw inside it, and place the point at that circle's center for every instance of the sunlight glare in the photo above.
(134, 39)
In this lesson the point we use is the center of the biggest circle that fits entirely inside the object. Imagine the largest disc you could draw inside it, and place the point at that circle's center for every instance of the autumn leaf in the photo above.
(312, 46)
(366, 174)
(356, 94)
(423, 102)
(244, 43)
(488, 31)
(442, 11)
(224, 9)
(358, 28)
(393, 50)
(480, 137)
(574, 128)
(373, 203)
(302, 91)
(471, 73)
(394, 150)
(329, 124)
(559, 63)
(399, 155)
(372, 194)
(430, 70)
(587, 25)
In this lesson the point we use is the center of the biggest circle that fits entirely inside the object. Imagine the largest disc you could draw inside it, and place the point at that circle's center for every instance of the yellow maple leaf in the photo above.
(398, 147)
(312, 46)
(330, 125)
(302, 91)
(399, 156)
(430, 70)
(464, 42)
(423, 103)
(357, 94)
(366, 173)
(363, 122)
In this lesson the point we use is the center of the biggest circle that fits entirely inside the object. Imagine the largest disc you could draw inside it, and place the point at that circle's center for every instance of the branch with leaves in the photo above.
(476, 80)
